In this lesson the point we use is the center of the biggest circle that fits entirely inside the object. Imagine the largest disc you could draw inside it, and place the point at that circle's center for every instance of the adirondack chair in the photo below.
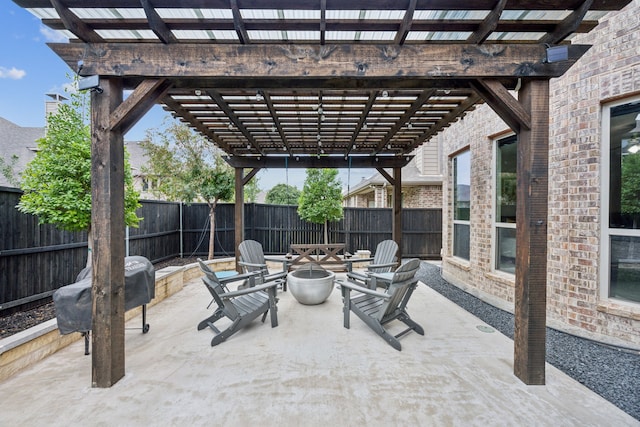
(377, 308)
(241, 306)
(252, 259)
(384, 261)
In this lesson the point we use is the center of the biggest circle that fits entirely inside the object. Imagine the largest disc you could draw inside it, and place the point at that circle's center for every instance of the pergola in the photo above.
(319, 83)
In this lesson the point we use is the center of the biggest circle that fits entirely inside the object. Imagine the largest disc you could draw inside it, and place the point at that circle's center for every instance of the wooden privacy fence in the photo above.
(35, 259)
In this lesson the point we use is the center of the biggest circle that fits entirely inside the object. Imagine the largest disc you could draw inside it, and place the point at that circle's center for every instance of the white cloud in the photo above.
(53, 35)
(13, 73)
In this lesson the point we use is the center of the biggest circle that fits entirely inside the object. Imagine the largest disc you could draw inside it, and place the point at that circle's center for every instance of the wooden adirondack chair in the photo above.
(377, 309)
(241, 306)
(252, 259)
(384, 261)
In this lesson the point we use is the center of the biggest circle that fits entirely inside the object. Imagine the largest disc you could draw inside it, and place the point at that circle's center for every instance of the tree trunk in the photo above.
(326, 232)
(212, 218)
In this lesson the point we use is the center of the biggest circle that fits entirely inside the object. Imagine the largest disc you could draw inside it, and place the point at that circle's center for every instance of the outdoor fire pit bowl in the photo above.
(310, 284)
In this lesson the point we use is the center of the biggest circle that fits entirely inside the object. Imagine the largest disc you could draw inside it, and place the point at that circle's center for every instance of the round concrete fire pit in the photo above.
(310, 284)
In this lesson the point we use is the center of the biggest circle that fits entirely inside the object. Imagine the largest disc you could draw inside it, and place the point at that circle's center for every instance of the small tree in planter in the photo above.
(321, 198)
(188, 168)
(57, 182)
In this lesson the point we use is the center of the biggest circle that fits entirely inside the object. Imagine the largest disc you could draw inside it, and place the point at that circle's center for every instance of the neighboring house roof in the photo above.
(21, 141)
(137, 157)
(411, 176)
(17, 141)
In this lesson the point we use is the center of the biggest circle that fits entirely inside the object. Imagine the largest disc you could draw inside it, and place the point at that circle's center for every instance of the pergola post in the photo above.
(531, 236)
(239, 213)
(397, 210)
(107, 230)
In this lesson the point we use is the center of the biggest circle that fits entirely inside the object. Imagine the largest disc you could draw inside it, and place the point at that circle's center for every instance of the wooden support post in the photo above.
(107, 230)
(239, 213)
(531, 236)
(397, 210)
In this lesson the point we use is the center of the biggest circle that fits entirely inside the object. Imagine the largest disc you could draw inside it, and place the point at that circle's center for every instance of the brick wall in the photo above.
(610, 69)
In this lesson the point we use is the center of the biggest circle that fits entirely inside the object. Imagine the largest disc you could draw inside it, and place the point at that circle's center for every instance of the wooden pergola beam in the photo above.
(158, 26)
(303, 162)
(489, 24)
(145, 96)
(503, 103)
(568, 25)
(530, 307)
(108, 235)
(467, 61)
(75, 25)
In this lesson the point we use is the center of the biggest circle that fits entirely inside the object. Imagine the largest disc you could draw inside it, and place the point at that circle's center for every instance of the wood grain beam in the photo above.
(489, 24)
(224, 106)
(323, 21)
(107, 233)
(307, 62)
(298, 162)
(238, 23)
(396, 222)
(250, 175)
(417, 104)
(138, 103)
(569, 25)
(386, 176)
(158, 26)
(405, 25)
(274, 116)
(75, 24)
(503, 103)
(530, 307)
(186, 115)
(444, 121)
(239, 213)
(363, 118)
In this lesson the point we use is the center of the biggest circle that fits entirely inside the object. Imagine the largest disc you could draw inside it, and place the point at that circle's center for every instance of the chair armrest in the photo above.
(386, 277)
(246, 291)
(356, 287)
(248, 264)
(238, 277)
(285, 262)
(390, 264)
(354, 260)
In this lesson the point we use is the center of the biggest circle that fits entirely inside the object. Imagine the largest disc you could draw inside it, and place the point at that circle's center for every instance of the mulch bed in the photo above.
(17, 322)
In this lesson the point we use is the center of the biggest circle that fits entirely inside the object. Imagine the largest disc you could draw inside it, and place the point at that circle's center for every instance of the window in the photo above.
(506, 183)
(621, 202)
(461, 204)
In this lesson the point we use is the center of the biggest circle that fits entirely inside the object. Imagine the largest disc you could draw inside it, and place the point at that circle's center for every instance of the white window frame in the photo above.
(605, 231)
(495, 224)
(453, 213)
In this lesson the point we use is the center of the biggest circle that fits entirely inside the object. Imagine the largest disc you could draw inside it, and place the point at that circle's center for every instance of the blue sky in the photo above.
(29, 70)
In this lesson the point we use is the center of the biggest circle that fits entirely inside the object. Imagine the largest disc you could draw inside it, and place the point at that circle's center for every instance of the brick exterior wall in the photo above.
(609, 70)
(424, 196)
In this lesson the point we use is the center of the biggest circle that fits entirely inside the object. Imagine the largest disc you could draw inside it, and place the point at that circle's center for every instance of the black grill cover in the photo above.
(73, 302)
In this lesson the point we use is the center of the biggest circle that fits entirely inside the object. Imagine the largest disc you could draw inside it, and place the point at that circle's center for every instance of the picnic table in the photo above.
(330, 256)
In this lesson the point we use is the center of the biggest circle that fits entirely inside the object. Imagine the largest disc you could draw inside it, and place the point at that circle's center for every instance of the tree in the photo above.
(251, 190)
(630, 192)
(7, 170)
(57, 182)
(188, 168)
(283, 194)
(321, 198)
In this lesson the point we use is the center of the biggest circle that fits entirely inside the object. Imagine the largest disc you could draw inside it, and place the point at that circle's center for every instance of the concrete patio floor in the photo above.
(309, 371)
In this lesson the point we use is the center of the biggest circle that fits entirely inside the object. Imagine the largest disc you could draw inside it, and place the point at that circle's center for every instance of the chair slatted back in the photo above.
(401, 288)
(216, 289)
(251, 252)
(385, 254)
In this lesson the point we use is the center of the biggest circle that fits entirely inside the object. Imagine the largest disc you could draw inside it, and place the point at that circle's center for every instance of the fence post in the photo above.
(181, 232)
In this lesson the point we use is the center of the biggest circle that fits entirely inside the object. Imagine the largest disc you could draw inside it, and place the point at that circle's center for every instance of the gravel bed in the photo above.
(611, 372)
